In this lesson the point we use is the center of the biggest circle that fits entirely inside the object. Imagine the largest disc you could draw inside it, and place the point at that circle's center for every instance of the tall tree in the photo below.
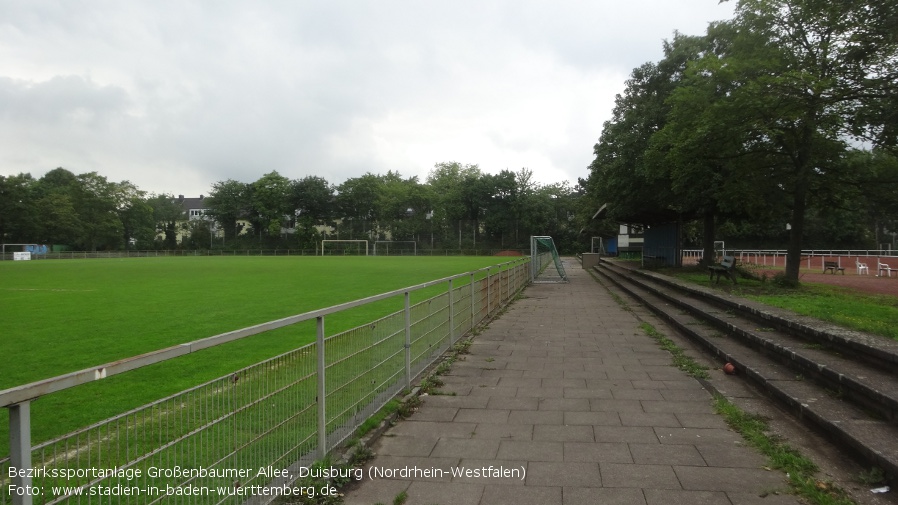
(18, 209)
(402, 206)
(227, 203)
(356, 203)
(619, 176)
(698, 149)
(167, 213)
(135, 214)
(97, 206)
(312, 197)
(312, 201)
(270, 202)
(809, 72)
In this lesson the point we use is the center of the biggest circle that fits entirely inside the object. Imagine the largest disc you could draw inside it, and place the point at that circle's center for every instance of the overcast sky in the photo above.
(174, 95)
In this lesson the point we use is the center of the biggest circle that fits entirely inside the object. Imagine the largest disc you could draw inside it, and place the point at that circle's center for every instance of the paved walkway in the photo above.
(568, 396)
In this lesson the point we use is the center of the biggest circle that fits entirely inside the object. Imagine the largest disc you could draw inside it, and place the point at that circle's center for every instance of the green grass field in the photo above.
(876, 314)
(62, 316)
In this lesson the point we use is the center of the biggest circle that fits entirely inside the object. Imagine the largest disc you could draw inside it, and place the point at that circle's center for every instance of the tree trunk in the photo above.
(708, 257)
(793, 252)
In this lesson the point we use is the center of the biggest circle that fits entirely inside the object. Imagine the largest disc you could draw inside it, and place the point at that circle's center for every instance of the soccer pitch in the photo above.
(67, 315)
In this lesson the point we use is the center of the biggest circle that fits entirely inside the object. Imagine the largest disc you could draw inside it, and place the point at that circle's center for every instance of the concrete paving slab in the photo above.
(531, 450)
(652, 454)
(593, 418)
(736, 480)
(487, 431)
(598, 452)
(655, 419)
(627, 434)
(567, 388)
(564, 473)
(563, 433)
(637, 475)
(465, 448)
(428, 493)
(603, 496)
(513, 403)
(680, 497)
(522, 495)
(486, 415)
(405, 446)
(531, 417)
(429, 412)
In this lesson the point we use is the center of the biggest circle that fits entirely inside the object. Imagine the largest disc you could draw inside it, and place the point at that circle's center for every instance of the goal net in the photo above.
(395, 248)
(545, 265)
(335, 247)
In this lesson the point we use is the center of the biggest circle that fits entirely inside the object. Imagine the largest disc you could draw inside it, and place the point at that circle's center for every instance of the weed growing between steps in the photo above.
(799, 469)
(680, 359)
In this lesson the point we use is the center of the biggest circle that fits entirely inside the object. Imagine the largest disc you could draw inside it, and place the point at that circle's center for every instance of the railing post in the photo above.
(489, 306)
(408, 341)
(451, 316)
(322, 391)
(472, 302)
(507, 273)
(20, 450)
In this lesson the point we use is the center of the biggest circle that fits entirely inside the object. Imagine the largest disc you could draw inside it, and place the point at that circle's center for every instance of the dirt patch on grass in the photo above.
(864, 283)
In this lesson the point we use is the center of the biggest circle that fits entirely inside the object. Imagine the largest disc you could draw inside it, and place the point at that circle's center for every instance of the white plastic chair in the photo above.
(884, 267)
(861, 268)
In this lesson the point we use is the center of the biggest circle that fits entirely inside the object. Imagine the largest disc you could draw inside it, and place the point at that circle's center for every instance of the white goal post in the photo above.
(545, 264)
(358, 247)
(402, 246)
(29, 248)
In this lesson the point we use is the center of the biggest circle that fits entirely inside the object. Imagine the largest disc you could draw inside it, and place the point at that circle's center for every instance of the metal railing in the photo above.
(811, 258)
(225, 440)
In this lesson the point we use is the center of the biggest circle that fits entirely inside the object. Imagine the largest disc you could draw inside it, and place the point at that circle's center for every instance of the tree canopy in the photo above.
(761, 120)
(458, 207)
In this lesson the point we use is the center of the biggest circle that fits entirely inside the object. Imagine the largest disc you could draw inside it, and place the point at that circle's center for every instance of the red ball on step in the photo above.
(729, 369)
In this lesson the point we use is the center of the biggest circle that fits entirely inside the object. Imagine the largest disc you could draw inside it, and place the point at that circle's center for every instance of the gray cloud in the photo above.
(175, 96)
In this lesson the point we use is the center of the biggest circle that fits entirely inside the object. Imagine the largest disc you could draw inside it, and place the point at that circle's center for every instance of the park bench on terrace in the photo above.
(727, 268)
(833, 266)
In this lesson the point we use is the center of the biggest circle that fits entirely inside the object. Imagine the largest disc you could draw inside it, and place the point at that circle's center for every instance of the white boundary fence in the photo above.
(219, 435)
(812, 259)
(385, 244)
(338, 241)
(77, 255)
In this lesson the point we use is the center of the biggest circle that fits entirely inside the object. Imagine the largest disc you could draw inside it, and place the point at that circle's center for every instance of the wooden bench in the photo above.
(727, 268)
(656, 261)
(832, 266)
